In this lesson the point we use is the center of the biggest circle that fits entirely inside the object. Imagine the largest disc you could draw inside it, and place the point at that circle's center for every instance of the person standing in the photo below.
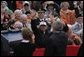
(26, 47)
(57, 42)
(35, 23)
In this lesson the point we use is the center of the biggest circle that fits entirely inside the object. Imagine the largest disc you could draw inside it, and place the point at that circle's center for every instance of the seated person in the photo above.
(77, 28)
(67, 15)
(72, 38)
(18, 25)
(28, 16)
(11, 24)
(14, 25)
(26, 7)
(26, 47)
(16, 15)
(4, 20)
(4, 6)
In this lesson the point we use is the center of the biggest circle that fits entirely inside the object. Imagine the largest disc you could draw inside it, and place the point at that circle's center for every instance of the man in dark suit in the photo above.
(36, 22)
(57, 42)
(43, 34)
(26, 46)
(35, 25)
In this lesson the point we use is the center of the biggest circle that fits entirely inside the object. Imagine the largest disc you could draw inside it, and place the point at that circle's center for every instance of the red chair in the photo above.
(72, 50)
(39, 52)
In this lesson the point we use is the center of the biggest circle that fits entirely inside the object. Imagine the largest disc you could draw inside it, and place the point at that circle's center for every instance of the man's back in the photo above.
(57, 44)
(24, 49)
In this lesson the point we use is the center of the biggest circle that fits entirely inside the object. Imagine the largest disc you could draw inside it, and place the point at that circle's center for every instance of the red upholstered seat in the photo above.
(71, 50)
(39, 52)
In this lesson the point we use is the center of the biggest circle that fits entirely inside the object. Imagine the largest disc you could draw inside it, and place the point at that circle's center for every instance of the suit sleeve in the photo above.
(34, 27)
(49, 48)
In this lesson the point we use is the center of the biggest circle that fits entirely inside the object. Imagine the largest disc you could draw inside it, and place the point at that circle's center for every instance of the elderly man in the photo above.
(25, 22)
(15, 23)
(57, 42)
(17, 14)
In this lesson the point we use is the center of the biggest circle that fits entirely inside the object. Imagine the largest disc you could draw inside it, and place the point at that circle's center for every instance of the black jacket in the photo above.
(40, 36)
(56, 45)
(35, 23)
(24, 49)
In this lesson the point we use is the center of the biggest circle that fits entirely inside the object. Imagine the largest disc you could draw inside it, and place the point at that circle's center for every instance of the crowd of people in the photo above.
(49, 24)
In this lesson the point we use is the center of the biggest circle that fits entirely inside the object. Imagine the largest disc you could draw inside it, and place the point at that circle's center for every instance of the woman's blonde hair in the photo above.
(27, 34)
(63, 4)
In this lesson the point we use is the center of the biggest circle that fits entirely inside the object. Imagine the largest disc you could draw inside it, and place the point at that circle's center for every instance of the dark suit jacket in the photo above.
(24, 49)
(40, 36)
(34, 24)
(56, 45)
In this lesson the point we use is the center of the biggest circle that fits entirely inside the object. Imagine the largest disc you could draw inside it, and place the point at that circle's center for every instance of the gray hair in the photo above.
(63, 4)
(57, 25)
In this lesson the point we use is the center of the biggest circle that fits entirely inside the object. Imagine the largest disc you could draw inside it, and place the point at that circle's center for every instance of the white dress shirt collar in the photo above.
(25, 41)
